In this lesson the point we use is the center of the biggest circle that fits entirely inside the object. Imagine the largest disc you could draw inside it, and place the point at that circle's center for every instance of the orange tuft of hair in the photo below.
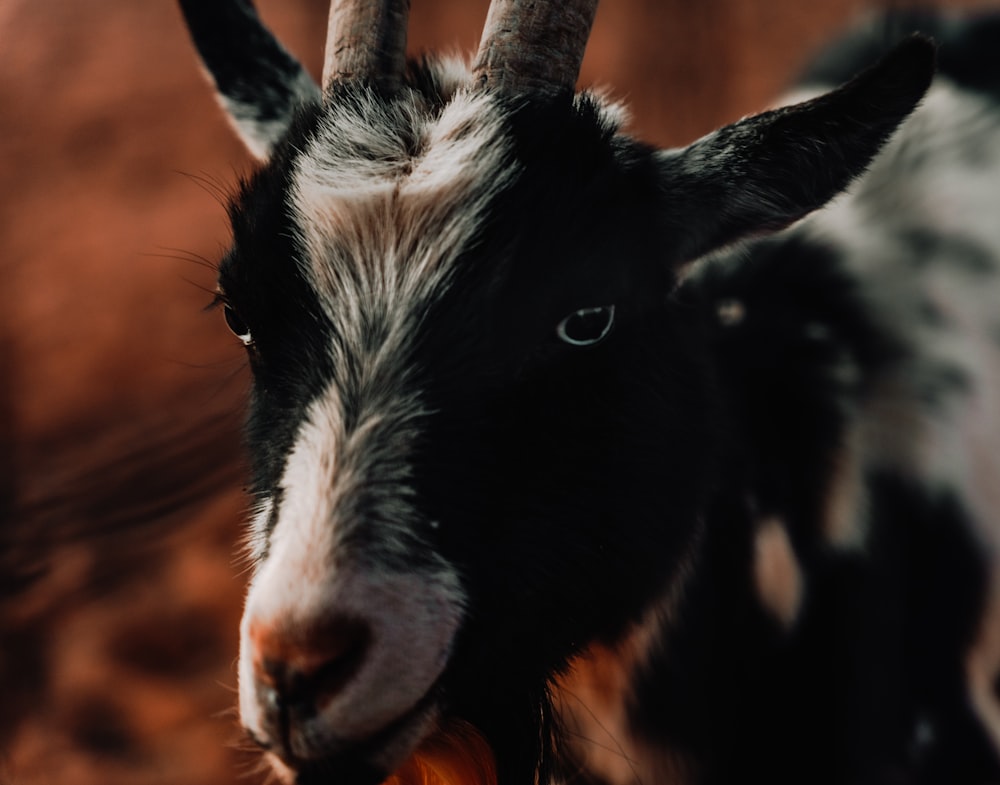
(455, 755)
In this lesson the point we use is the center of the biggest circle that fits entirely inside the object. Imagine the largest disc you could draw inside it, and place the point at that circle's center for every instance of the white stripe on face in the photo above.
(382, 224)
(325, 562)
(386, 198)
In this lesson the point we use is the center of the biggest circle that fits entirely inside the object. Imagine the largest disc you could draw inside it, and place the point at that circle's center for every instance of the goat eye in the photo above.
(587, 326)
(237, 325)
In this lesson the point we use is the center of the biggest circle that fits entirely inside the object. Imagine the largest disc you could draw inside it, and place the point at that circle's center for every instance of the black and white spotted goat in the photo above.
(538, 451)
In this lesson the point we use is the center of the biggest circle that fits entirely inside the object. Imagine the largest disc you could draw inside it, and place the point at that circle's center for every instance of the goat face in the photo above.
(482, 430)
(435, 424)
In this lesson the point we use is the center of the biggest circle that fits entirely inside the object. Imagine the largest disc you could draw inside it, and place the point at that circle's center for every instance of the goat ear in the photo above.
(258, 83)
(764, 172)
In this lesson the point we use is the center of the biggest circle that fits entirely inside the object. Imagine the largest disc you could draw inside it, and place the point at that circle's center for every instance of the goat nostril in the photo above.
(307, 665)
(330, 678)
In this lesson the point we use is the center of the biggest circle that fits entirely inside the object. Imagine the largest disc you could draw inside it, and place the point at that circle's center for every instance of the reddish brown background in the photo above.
(120, 475)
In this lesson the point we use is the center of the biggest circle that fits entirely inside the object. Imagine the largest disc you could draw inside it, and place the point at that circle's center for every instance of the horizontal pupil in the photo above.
(587, 325)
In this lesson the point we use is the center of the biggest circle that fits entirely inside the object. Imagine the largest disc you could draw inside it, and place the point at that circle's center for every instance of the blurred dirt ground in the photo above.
(121, 399)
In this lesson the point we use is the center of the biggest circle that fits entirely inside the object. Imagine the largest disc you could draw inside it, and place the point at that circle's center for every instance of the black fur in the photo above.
(524, 415)
(766, 171)
(252, 71)
(262, 284)
(968, 46)
(875, 658)
(568, 484)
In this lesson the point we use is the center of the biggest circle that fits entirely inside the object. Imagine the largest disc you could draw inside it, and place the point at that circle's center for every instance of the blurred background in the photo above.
(121, 398)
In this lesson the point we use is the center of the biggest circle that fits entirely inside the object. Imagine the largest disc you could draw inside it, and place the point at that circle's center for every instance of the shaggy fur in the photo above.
(742, 530)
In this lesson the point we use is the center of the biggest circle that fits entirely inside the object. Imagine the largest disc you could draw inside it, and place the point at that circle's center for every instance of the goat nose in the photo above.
(308, 664)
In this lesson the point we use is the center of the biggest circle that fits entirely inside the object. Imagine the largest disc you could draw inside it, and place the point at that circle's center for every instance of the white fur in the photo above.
(256, 537)
(777, 574)
(381, 228)
(314, 570)
(940, 174)
(926, 180)
(259, 135)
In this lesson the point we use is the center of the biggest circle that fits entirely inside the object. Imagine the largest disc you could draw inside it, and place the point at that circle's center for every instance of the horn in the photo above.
(366, 39)
(533, 46)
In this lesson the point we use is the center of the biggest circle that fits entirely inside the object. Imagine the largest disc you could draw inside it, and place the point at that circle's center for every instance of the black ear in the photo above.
(764, 172)
(258, 82)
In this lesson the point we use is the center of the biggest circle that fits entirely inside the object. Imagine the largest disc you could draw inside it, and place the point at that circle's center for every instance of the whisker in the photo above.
(212, 186)
(183, 255)
(232, 712)
(615, 748)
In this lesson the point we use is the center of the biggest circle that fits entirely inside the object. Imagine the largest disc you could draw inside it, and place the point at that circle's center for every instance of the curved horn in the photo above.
(366, 39)
(533, 46)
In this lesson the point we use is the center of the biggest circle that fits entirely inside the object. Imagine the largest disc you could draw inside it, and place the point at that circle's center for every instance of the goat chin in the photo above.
(455, 755)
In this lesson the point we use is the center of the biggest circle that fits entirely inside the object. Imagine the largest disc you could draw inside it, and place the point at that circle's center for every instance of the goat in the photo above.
(552, 443)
